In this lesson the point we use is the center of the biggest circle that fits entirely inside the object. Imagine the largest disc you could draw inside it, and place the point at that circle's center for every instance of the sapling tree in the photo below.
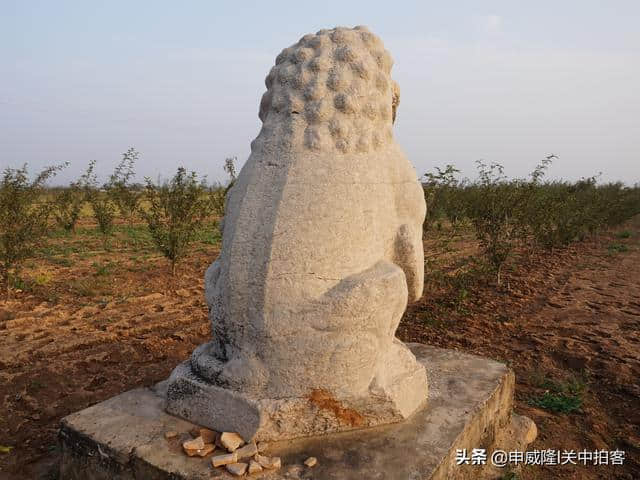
(491, 205)
(123, 192)
(68, 205)
(217, 199)
(441, 193)
(176, 210)
(230, 168)
(104, 210)
(23, 218)
(217, 192)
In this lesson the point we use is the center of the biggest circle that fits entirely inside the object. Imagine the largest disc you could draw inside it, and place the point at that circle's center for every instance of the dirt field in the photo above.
(570, 318)
(90, 324)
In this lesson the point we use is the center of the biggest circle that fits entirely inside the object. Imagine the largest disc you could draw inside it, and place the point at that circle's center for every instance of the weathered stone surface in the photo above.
(191, 447)
(254, 467)
(225, 459)
(530, 429)
(262, 460)
(231, 440)
(237, 469)
(206, 450)
(208, 436)
(321, 250)
(262, 447)
(249, 450)
(470, 402)
(270, 463)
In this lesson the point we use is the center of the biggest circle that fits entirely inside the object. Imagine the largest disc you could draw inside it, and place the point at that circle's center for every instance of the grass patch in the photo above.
(559, 397)
(455, 282)
(42, 279)
(136, 236)
(617, 248)
(624, 234)
(19, 283)
(557, 402)
(432, 319)
(92, 232)
(36, 385)
(104, 269)
(209, 234)
(60, 233)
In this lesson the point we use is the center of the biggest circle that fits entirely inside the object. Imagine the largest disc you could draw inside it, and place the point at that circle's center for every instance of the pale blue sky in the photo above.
(505, 81)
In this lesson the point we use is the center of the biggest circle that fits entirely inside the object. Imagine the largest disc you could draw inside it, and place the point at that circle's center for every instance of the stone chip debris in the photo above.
(311, 462)
(226, 459)
(231, 441)
(293, 471)
(261, 459)
(254, 467)
(191, 447)
(208, 448)
(170, 434)
(270, 463)
(249, 450)
(209, 436)
(237, 469)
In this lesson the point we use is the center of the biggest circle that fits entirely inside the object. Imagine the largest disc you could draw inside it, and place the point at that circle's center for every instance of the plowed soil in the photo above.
(90, 324)
(564, 318)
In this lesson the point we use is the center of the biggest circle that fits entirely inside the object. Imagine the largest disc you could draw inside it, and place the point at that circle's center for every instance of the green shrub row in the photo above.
(539, 213)
(173, 210)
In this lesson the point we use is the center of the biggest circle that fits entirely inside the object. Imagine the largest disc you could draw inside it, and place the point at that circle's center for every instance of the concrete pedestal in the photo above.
(469, 406)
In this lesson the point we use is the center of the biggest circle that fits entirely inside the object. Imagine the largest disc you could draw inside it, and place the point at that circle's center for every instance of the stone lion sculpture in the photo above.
(321, 250)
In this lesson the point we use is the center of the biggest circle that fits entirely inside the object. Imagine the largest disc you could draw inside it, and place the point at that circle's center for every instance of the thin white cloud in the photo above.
(488, 24)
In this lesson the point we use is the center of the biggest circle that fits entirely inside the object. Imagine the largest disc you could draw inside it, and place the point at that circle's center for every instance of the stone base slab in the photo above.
(469, 406)
(320, 413)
